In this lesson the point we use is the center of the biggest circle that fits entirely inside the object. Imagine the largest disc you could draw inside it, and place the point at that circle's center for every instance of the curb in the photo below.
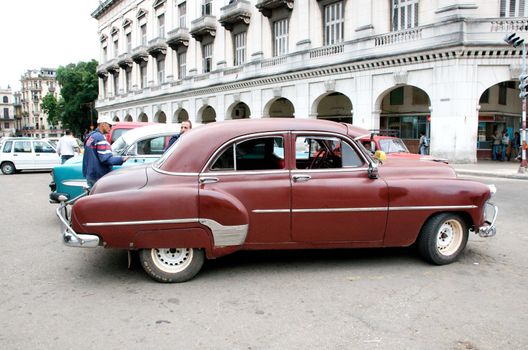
(487, 174)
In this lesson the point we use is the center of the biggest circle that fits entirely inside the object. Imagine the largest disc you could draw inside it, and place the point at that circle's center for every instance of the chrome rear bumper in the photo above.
(489, 229)
(69, 236)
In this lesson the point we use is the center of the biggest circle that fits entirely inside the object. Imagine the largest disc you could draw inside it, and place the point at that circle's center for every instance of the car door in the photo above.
(333, 198)
(249, 177)
(22, 155)
(45, 155)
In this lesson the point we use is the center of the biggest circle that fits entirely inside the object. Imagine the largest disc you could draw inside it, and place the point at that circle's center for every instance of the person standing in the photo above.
(98, 159)
(186, 125)
(67, 147)
(516, 146)
(505, 141)
(424, 144)
(496, 144)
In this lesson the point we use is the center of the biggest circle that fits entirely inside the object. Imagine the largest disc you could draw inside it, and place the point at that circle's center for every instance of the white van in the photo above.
(23, 153)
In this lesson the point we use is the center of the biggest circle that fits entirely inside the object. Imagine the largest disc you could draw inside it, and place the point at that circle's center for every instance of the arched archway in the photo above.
(279, 108)
(404, 110)
(115, 118)
(207, 114)
(160, 117)
(180, 115)
(499, 107)
(142, 117)
(128, 118)
(333, 106)
(238, 110)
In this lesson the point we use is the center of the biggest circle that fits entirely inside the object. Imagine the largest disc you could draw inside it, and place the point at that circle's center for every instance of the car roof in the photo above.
(211, 136)
(148, 130)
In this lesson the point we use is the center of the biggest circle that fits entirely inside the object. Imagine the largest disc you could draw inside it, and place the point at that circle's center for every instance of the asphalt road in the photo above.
(55, 297)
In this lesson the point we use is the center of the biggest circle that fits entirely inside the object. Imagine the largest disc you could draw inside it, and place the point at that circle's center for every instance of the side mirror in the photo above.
(373, 170)
(380, 155)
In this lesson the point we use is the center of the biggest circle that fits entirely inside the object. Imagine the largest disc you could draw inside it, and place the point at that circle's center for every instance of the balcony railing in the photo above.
(399, 37)
(238, 11)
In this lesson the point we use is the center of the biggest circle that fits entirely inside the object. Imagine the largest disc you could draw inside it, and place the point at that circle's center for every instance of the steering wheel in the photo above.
(321, 160)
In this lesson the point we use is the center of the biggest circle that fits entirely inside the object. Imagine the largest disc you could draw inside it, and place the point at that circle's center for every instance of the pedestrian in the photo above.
(424, 144)
(98, 159)
(67, 146)
(516, 146)
(496, 144)
(505, 141)
(186, 125)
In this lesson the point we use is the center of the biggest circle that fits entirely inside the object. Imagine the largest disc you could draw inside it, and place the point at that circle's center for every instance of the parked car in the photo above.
(393, 147)
(143, 145)
(54, 140)
(226, 187)
(24, 153)
(120, 128)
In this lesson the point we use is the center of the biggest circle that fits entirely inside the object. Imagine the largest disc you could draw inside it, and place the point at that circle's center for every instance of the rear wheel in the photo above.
(443, 238)
(171, 264)
(8, 168)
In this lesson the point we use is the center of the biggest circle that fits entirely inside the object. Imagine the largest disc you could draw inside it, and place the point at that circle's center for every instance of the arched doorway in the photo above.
(499, 111)
(405, 112)
(160, 117)
(207, 114)
(143, 118)
(333, 106)
(279, 108)
(180, 115)
(238, 110)
(128, 118)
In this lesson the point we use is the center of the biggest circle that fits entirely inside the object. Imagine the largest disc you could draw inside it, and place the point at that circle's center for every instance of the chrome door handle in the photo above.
(208, 180)
(301, 178)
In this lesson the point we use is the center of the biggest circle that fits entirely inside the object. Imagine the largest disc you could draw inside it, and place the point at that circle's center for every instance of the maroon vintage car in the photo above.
(275, 184)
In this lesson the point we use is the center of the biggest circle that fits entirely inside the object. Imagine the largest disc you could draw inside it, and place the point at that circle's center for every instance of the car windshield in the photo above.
(167, 153)
(119, 146)
(393, 146)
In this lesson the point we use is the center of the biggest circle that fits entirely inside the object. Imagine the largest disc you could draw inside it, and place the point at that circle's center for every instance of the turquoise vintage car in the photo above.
(142, 145)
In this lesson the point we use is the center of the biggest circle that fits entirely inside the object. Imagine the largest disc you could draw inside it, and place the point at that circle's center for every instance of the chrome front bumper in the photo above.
(69, 236)
(489, 229)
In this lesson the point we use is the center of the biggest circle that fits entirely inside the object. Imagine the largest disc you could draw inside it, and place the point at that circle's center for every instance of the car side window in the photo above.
(321, 152)
(43, 147)
(7, 146)
(263, 153)
(152, 146)
(22, 147)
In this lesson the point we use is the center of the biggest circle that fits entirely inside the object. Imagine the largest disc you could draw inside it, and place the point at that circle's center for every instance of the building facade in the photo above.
(7, 113)
(36, 84)
(438, 66)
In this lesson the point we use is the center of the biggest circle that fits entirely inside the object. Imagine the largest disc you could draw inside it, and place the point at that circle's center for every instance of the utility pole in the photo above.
(514, 40)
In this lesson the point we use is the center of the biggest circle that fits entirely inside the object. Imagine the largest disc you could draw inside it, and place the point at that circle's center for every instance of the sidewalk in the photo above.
(492, 169)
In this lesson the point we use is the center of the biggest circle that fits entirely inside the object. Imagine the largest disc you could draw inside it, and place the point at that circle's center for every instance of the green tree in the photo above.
(79, 90)
(52, 108)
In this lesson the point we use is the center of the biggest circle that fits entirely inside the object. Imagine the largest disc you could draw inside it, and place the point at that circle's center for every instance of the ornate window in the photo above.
(513, 8)
(404, 14)
(182, 15)
(334, 23)
(161, 70)
(207, 7)
(182, 65)
(207, 54)
(240, 48)
(161, 25)
(280, 37)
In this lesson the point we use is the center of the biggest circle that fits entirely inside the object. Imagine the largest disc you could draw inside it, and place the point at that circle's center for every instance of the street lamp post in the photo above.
(516, 41)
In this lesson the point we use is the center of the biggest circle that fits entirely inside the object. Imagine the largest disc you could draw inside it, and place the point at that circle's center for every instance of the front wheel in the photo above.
(443, 238)
(8, 168)
(171, 265)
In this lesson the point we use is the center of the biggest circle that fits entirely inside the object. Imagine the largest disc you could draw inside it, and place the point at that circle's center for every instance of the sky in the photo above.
(50, 33)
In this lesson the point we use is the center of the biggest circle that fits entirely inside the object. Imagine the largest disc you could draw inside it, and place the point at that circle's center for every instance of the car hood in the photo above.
(126, 178)
(416, 156)
(413, 169)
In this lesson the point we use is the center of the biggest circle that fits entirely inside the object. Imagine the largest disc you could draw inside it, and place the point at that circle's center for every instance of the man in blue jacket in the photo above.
(186, 125)
(98, 159)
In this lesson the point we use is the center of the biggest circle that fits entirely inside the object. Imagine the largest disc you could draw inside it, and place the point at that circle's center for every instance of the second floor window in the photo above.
(207, 7)
(116, 84)
(182, 13)
(513, 8)
(129, 42)
(280, 37)
(182, 65)
(334, 23)
(6, 113)
(161, 71)
(404, 14)
(143, 30)
(105, 54)
(161, 26)
(5, 99)
(116, 48)
(240, 48)
(143, 75)
(128, 77)
(207, 52)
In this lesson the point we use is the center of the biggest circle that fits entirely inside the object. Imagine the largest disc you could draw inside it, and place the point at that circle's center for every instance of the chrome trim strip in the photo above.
(143, 222)
(339, 210)
(431, 207)
(74, 183)
(244, 172)
(158, 170)
(265, 211)
(329, 170)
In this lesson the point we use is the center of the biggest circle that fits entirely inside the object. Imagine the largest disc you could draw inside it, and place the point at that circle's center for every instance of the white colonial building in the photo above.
(37, 83)
(7, 112)
(438, 66)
